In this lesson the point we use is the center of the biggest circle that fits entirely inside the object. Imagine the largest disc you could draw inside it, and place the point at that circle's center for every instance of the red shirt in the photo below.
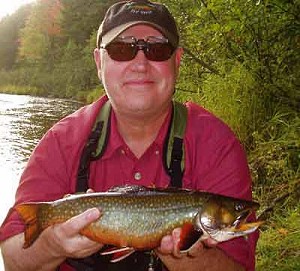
(214, 162)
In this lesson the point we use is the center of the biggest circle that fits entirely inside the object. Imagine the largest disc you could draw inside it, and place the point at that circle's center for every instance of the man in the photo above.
(137, 59)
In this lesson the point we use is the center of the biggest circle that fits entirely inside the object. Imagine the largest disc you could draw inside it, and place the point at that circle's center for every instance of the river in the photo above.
(23, 121)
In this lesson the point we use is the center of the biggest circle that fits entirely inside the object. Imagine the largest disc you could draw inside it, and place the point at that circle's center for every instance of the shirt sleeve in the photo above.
(44, 178)
(218, 164)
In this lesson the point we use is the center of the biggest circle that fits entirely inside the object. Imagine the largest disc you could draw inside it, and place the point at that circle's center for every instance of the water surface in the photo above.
(23, 121)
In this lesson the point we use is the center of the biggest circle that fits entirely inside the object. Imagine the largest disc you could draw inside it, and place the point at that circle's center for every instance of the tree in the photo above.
(41, 29)
(9, 36)
(81, 17)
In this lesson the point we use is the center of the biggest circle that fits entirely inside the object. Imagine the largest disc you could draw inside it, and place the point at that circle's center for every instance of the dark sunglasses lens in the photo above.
(159, 51)
(121, 51)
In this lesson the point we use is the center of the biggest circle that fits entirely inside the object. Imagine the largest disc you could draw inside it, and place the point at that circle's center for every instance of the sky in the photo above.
(9, 6)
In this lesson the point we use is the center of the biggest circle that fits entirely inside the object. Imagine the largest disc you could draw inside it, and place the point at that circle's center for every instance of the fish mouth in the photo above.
(247, 228)
(237, 229)
(241, 226)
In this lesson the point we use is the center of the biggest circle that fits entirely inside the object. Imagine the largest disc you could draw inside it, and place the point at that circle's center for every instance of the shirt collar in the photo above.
(116, 143)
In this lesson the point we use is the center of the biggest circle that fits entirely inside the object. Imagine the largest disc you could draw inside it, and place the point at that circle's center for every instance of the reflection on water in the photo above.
(23, 121)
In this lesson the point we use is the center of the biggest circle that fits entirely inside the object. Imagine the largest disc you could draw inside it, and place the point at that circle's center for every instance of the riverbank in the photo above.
(85, 97)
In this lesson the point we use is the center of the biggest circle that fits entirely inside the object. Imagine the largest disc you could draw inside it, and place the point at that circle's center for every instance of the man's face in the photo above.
(138, 86)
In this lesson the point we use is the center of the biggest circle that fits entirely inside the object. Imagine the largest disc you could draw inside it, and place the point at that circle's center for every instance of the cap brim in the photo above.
(115, 32)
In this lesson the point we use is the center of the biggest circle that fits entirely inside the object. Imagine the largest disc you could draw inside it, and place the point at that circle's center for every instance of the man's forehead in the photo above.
(142, 28)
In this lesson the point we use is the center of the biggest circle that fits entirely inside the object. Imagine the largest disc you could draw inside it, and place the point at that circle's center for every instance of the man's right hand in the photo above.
(54, 245)
(65, 239)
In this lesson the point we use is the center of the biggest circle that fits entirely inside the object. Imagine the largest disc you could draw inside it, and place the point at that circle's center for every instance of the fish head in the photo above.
(224, 218)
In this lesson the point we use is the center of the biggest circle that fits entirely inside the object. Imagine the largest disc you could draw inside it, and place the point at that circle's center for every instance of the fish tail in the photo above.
(28, 213)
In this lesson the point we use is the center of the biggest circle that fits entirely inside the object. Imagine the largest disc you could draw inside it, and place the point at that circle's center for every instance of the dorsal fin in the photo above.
(128, 189)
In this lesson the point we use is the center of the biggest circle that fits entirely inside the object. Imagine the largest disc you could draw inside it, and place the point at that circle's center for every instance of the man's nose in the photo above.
(140, 62)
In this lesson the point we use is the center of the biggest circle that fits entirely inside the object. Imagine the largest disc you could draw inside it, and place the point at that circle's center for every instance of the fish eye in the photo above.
(239, 206)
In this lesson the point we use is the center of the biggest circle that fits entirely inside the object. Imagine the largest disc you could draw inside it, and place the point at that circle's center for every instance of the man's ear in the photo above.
(97, 58)
(178, 56)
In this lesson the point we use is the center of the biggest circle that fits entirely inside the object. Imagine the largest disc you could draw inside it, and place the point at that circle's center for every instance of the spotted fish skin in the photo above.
(137, 219)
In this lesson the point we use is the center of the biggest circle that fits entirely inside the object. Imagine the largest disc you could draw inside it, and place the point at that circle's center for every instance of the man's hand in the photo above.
(170, 245)
(65, 239)
(202, 256)
(54, 245)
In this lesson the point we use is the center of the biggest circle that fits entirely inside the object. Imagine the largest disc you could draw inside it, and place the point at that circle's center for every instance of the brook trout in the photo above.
(138, 217)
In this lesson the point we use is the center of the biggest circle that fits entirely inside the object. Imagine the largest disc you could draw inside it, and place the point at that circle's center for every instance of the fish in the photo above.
(137, 217)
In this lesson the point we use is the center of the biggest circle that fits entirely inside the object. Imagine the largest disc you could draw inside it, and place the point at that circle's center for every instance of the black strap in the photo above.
(86, 156)
(173, 151)
(175, 171)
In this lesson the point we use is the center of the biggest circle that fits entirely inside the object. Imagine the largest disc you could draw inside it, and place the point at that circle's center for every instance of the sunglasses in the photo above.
(126, 49)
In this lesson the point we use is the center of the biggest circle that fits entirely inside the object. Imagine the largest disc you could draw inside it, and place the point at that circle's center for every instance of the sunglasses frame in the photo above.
(134, 45)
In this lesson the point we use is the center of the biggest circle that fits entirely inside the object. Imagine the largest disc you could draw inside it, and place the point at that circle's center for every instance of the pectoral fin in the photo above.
(188, 237)
(118, 254)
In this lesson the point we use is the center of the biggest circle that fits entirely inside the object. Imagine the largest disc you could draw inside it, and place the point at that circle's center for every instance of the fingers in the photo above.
(170, 245)
(167, 245)
(209, 242)
(176, 239)
(195, 249)
(74, 225)
(65, 239)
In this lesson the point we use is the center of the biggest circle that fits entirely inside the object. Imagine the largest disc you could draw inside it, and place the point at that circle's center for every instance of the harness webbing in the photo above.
(173, 155)
(94, 147)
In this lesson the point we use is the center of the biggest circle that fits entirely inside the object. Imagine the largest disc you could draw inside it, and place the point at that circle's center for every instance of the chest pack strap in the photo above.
(173, 153)
(94, 147)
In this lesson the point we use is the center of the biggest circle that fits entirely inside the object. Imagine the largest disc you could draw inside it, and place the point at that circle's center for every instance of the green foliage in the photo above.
(233, 98)
(275, 158)
(79, 19)
(278, 246)
(38, 36)
(94, 94)
(9, 36)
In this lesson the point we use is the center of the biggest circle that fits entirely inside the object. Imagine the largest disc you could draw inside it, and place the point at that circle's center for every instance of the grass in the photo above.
(275, 166)
(21, 90)
(279, 243)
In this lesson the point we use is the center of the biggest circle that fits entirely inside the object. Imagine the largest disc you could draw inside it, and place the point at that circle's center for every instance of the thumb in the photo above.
(75, 224)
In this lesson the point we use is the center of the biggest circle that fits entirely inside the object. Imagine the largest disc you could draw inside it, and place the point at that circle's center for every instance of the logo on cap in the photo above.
(143, 9)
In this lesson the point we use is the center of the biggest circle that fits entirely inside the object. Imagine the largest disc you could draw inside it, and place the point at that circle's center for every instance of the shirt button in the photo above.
(137, 176)
(157, 152)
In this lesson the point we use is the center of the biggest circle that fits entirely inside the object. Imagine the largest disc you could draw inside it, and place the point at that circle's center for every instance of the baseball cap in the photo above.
(123, 15)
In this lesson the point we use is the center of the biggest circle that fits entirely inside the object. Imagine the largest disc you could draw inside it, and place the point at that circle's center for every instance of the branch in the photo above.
(201, 62)
(266, 212)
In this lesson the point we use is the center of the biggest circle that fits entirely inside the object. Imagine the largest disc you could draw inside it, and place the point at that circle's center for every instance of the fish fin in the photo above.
(118, 254)
(188, 237)
(129, 189)
(28, 213)
(67, 196)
